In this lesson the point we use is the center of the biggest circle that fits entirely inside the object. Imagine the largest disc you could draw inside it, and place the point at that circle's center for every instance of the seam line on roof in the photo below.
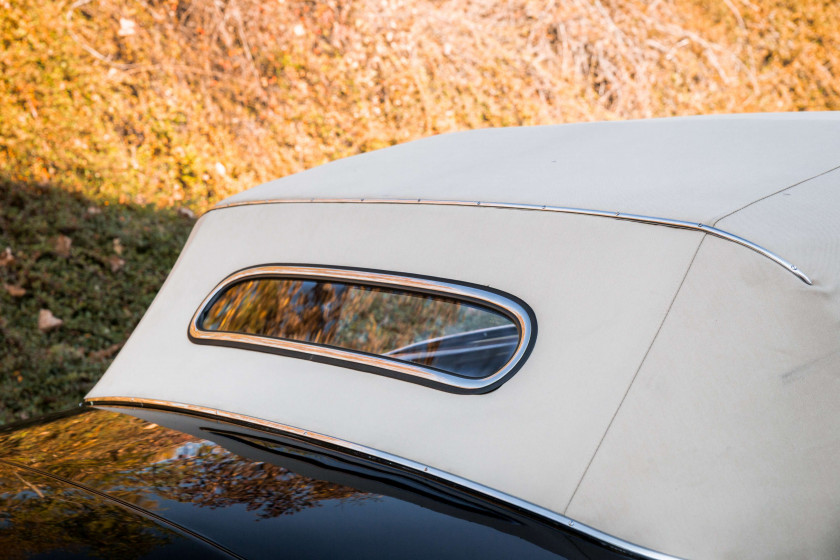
(635, 375)
(715, 223)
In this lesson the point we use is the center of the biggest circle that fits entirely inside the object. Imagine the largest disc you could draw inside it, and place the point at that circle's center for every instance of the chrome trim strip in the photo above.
(586, 530)
(430, 376)
(544, 208)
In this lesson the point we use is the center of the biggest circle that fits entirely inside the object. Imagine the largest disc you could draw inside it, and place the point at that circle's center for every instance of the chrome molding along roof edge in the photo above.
(418, 373)
(545, 208)
(382, 456)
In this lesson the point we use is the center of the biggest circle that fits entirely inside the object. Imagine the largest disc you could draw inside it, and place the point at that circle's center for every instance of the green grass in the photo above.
(100, 306)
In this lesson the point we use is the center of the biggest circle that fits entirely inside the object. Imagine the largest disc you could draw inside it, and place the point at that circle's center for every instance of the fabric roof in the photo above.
(697, 169)
(681, 387)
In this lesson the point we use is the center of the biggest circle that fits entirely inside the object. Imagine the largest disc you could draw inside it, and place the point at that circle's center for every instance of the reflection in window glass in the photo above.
(433, 331)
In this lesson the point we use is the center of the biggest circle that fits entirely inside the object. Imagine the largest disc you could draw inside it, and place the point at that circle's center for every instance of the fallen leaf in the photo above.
(118, 246)
(116, 263)
(61, 245)
(105, 353)
(6, 257)
(47, 321)
(14, 291)
(186, 212)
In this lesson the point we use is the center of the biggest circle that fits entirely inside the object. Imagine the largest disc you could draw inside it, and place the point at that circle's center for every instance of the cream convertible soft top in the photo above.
(683, 391)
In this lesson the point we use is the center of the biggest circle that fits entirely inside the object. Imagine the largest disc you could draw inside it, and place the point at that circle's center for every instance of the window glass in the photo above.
(448, 334)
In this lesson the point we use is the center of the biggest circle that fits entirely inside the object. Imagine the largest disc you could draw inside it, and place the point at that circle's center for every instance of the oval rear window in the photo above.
(439, 333)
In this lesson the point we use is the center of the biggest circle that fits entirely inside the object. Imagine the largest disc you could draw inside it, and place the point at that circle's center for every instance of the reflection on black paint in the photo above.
(444, 333)
(42, 517)
(165, 472)
(260, 495)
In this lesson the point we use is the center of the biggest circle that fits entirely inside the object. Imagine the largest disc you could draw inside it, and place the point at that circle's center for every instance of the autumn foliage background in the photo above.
(115, 114)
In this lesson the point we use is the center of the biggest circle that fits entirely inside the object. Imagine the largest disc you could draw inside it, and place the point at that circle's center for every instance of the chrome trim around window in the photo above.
(680, 224)
(517, 312)
(600, 537)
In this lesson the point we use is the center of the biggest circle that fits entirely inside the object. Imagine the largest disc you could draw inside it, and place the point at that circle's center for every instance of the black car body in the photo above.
(104, 484)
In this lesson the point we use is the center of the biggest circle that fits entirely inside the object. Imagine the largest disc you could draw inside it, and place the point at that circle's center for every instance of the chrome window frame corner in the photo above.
(512, 307)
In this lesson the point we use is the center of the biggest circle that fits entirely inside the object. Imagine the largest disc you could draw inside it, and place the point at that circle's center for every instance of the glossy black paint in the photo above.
(99, 482)
(89, 525)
